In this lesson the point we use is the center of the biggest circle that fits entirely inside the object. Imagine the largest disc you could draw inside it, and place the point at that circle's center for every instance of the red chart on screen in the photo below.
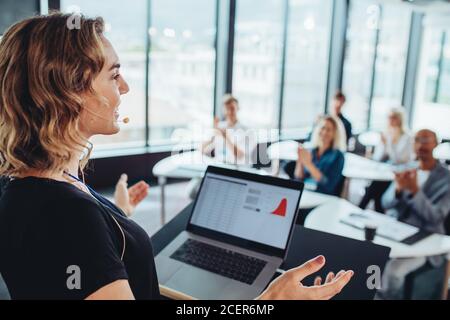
(281, 209)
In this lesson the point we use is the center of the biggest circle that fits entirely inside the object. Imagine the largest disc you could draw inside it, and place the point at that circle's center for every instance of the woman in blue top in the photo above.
(323, 165)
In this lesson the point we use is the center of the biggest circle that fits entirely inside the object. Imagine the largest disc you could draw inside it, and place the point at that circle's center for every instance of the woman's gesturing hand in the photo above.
(304, 156)
(289, 287)
(128, 198)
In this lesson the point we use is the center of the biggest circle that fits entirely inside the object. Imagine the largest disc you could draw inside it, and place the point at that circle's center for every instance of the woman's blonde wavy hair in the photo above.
(339, 140)
(45, 66)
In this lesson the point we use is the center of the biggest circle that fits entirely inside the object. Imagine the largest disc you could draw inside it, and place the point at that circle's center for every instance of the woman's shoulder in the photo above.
(70, 203)
(336, 157)
(336, 153)
(406, 135)
(46, 196)
(42, 210)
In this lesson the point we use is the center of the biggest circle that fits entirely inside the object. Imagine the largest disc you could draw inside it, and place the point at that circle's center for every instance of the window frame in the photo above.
(334, 77)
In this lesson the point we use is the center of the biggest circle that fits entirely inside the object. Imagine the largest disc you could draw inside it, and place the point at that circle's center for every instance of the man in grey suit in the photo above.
(420, 197)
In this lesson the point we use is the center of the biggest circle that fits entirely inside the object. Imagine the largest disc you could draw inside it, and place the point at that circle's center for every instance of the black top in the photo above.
(347, 126)
(47, 226)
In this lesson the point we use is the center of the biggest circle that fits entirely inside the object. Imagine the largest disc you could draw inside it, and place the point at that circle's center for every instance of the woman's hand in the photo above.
(304, 156)
(289, 287)
(330, 277)
(216, 123)
(383, 138)
(305, 160)
(128, 198)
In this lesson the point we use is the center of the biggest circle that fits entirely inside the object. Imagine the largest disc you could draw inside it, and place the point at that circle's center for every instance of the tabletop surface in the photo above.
(326, 218)
(178, 224)
(369, 138)
(191, 165)
(294, 256)
(355, 167)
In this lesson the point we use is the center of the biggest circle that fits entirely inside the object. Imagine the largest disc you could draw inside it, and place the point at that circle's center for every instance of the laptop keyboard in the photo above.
(221, 261)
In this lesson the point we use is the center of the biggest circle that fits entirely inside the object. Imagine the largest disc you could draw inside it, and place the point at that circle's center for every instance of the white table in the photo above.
(369, 138)
(442, 151)
(355, 167)
(191, 165)
(285, 150)
(186, 165)
(311, 199)
(327, 218)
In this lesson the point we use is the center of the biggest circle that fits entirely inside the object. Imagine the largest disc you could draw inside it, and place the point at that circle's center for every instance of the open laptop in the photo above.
(236, 238)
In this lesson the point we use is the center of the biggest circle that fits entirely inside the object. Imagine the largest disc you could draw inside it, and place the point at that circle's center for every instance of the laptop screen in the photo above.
(258, 211)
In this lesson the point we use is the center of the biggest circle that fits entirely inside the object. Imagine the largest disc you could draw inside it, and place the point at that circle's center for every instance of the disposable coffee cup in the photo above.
(370, 230)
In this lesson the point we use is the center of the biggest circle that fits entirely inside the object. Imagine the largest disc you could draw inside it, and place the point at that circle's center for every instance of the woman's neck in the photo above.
(395, 132)
(72, 167)
(323, 147)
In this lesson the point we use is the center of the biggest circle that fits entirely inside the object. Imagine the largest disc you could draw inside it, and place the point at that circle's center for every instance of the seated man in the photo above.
(421, 198)
(231, 142)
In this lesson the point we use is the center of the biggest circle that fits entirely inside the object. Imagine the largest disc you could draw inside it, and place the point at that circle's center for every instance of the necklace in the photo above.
(80, 184)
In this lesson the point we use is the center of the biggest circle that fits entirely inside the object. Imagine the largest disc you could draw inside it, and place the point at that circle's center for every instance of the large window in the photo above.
(438, 69)
(306, 67)
(374, 66)
(12, 11)
(181, 64)
(432, 104)
(125, 28)
(443, 95)
(281, 63)
(392, 50)
(358, 63)
(257, 61)
(182, 67)
(433, 37)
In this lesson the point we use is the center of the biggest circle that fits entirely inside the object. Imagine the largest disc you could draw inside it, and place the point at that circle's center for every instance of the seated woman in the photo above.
(395, 147)
(323, 165)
